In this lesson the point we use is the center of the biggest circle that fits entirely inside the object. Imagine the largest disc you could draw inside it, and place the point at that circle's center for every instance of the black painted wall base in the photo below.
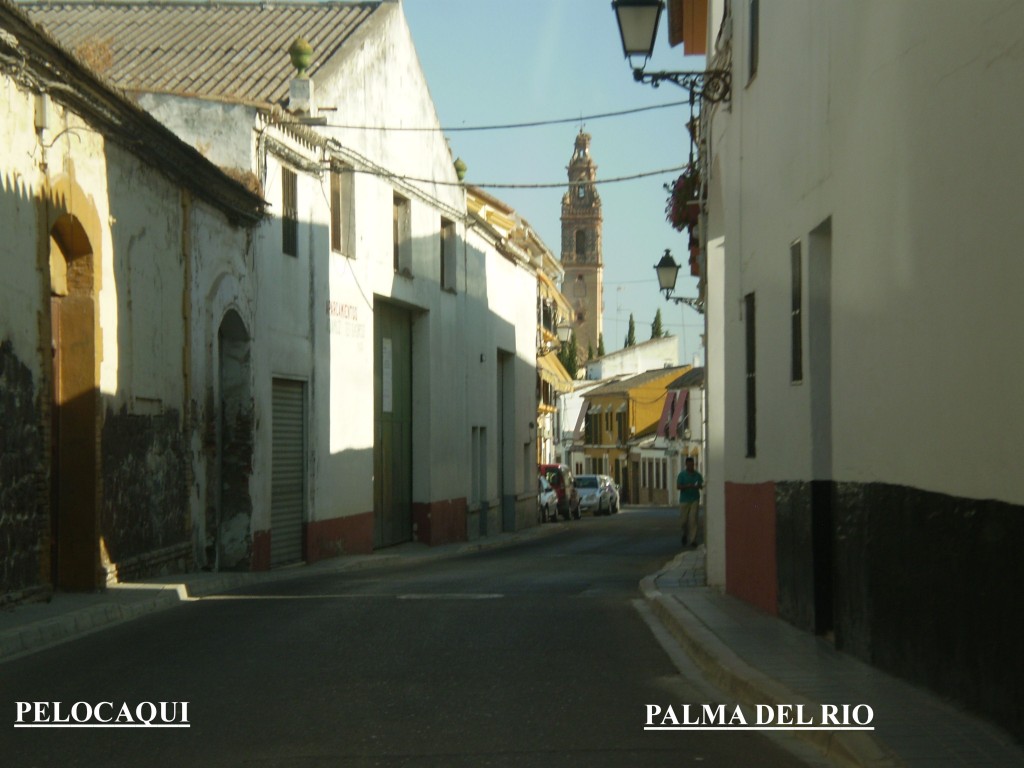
(145, 492)
(926, 586)
(24, 481)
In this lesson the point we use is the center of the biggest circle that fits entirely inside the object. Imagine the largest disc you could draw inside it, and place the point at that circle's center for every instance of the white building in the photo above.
(643, 356)
(863, 275)
(369, 362)
(502, 233)
(108, 220)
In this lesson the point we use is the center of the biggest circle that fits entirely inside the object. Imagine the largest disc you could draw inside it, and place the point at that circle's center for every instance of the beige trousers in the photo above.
(688, 514)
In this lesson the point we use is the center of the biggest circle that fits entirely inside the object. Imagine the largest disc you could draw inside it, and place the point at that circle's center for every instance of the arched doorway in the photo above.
(233, 524)
(75, 558)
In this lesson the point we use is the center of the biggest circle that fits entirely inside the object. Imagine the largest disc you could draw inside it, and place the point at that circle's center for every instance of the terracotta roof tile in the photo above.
(234, 50)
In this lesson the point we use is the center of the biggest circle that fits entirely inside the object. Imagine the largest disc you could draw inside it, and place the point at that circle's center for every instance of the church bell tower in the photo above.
(581, 247)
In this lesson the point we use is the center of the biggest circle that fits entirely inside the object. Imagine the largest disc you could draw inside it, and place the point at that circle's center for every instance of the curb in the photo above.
(748, 685)
(47, 633)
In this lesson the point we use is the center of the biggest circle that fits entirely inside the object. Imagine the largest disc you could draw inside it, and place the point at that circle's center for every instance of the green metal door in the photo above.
(392, 417)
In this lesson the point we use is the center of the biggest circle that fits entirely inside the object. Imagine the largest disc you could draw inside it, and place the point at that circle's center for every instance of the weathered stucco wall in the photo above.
(24, 466)
(23, 477)
(114, 240)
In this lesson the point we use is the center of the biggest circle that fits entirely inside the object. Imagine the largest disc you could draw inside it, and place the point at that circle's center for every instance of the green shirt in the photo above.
(689, 478)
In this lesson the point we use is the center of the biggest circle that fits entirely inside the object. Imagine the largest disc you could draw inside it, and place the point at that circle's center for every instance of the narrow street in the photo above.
(533, 655)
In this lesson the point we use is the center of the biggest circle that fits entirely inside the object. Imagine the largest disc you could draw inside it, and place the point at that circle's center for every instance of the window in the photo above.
(755, 41)
(341, 212)
(400, 231)
(581, 241)
(448, 257)
(579, 287)
(797, 345)
(289, 212)
(748, 318)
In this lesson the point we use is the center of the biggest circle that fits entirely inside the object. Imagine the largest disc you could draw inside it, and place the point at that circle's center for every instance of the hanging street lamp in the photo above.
(638, 27)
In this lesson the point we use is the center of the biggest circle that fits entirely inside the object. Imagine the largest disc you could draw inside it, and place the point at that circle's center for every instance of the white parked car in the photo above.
(595, 496)
(613, 492)
(547, 501)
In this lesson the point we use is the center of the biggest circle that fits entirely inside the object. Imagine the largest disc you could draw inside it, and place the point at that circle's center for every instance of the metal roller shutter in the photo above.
(288, 477)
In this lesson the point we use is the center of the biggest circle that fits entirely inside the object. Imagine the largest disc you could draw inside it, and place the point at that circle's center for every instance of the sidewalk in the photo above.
(30, 627)
(759, 659)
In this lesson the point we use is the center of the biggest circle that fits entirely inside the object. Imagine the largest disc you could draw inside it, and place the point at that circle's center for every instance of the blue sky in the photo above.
(495, 62)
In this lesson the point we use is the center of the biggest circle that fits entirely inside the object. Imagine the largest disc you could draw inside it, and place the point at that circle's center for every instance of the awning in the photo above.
(578, 431)
(677, 415)
(552, 371)
(666, 413)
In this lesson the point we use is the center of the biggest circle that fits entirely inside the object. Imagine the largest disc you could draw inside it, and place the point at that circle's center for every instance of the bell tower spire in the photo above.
(581, 246)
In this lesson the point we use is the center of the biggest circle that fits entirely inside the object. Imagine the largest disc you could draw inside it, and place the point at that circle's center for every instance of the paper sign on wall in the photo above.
(386, 384)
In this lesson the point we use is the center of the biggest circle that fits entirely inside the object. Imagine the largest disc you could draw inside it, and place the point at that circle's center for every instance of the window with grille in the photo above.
(754, 48)
(448, 257)
(751, 339)
(401, 235)
(342, 214)
(289, 212)
(796, 321)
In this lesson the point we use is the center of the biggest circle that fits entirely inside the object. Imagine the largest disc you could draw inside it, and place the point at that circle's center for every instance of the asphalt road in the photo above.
(533, 655)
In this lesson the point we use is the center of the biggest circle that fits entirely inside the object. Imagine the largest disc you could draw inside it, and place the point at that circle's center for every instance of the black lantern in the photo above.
(638, 28)
(668, 271)
(638, 25)
(564, 331)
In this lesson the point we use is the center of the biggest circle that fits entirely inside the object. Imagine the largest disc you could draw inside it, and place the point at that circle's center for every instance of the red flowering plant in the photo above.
(682, 209)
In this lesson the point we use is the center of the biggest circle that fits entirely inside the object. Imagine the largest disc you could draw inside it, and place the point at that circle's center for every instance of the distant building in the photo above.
(657, 454)
(510, 236)
(615, 412)
(582, 247)
(644, 356)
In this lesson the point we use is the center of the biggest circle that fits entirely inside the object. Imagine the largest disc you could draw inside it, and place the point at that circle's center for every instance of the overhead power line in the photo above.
(496, 185)
(509, 126)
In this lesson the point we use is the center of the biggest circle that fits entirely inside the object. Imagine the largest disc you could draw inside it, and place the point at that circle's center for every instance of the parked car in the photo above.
(613, 492)
(561, 479)
(547, 501)
(595, 496)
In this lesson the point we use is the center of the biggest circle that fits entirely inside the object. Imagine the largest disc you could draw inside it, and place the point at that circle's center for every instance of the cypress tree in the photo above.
(631, 333)
(657, 331)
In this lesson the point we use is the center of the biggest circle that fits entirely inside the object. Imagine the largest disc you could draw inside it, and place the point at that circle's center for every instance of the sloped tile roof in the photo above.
(42, 59)
(622, 386)
(231, 50)
(692, 378)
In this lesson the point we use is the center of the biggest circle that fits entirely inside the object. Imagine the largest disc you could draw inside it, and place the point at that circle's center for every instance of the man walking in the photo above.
(689, 482)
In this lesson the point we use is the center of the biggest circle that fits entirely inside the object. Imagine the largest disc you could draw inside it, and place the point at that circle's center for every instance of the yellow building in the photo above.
(614, 413)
